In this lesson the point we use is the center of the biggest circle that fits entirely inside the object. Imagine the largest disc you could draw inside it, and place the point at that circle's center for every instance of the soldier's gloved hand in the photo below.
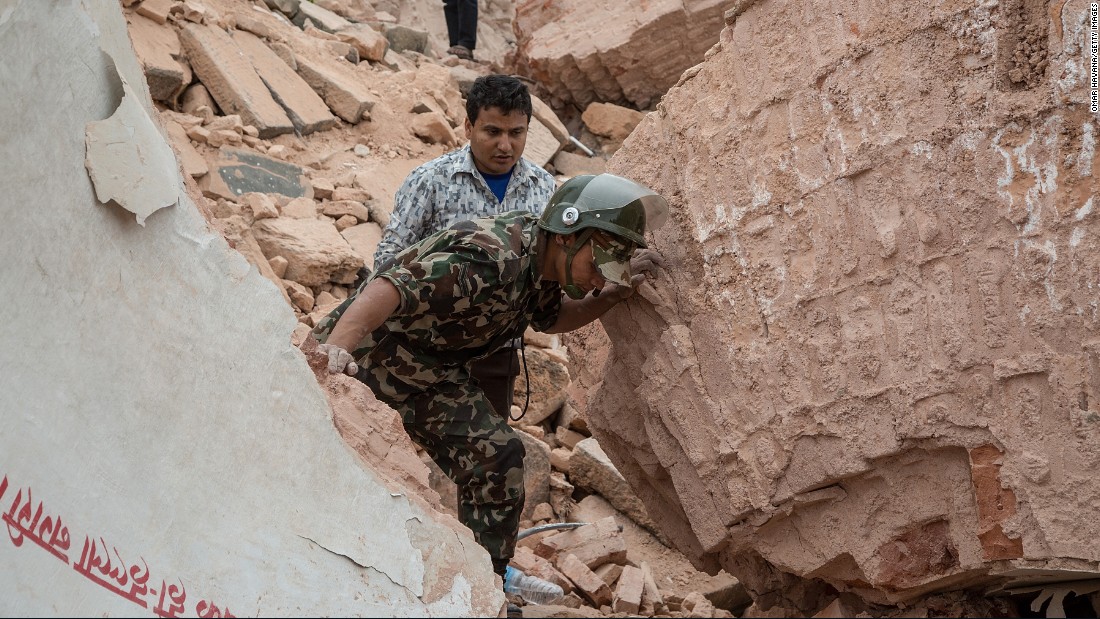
(339, 360)
(644, 264)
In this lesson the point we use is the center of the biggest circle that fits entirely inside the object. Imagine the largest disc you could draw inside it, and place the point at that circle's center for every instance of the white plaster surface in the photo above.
(151, 402)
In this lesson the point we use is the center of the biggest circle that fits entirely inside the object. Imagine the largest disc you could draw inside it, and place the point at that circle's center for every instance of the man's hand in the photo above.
(339, 360)
(643, 265)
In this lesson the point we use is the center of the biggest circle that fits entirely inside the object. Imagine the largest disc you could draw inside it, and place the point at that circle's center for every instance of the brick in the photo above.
(595, 544)
(567, 437)
(651, 595)
(628, 593)
(530, 563)
(609, 572)
(588, 583)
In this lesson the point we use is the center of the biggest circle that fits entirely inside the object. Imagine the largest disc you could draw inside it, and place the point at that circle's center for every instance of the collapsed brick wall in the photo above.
(874, 359)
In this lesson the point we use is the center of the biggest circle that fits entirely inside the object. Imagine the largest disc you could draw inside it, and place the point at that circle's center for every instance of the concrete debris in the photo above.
(638, 55)
(232, 80)
(306, 110)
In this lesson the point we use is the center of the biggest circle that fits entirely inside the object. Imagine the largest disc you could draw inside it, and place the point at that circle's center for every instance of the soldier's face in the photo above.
(497, 139)
(583, 269)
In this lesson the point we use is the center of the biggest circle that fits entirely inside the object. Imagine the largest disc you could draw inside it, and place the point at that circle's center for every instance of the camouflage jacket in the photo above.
(449, 189)
(465, 292)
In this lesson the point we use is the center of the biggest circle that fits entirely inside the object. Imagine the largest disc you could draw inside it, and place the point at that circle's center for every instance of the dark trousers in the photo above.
(461, 22)
(496, 374)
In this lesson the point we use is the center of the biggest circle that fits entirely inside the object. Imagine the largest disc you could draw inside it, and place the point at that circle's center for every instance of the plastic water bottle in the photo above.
(531, 588)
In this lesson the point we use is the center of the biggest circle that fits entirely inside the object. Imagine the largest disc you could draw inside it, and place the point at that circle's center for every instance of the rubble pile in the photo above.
(297, 122)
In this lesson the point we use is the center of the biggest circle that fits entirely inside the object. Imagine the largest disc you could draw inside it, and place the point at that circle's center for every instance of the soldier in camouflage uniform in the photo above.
(413, 329)
(485, 178)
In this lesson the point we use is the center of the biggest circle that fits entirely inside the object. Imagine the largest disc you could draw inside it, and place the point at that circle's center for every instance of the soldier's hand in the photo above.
(339, 360)
(645, 262)
(643, 265)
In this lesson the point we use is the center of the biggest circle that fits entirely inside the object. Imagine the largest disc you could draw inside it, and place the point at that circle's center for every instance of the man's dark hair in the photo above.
(500, 91)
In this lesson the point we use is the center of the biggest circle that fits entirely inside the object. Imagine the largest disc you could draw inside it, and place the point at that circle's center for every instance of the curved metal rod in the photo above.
(549, 527)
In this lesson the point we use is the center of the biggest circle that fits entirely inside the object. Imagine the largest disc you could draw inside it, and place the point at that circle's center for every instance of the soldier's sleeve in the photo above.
(436, 282)
(409, 222)
(546, 311)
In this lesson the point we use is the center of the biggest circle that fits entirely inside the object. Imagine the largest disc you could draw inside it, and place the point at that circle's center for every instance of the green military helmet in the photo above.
(619, 206)
(607, 202)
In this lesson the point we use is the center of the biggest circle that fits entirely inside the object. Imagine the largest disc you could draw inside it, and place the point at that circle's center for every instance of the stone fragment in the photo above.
(549, 379)
(306, 110)
(652, 600)
(353, 194)
(158, 50)
(530, 563)
(344, 222)
(571, 417)
(287, 7)
(696, 605)
(231, 79)
(195, 96)
(571, 164)
(300, 208)
(300, 296)
(609, 572)
(542, 511)
(199, 134)
(371, 44)
(541, 144)
(193, 11)
(322, 188)
(592, 535)
(155, 10)
(237, 172)
(403, 38)
(559, 459)
(315, 251)
(639, 55)
(433, 128)
(536, 472)
(611, 121)
(193, 163)
(567, 437)
(341, 88)
(363, 240)
(590, 468)
(341, 208)
(561, 493)
(587, 582)
(319, 17)
(278, 265)
(549, 119)
(628, 593)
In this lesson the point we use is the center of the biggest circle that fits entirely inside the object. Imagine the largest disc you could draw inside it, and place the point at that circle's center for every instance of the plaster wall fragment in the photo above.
(165, 449)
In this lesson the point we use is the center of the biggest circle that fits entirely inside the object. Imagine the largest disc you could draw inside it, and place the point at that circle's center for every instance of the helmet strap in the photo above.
(574, 291)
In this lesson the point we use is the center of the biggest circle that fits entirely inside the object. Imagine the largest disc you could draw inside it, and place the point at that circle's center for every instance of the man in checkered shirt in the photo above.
(485, 178)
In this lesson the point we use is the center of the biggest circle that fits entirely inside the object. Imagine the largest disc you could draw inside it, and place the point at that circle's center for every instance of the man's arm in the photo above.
(412, 206)
(374, 305)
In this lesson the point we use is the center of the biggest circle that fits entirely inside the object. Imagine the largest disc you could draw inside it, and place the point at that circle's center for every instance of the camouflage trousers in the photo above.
(474, 446)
